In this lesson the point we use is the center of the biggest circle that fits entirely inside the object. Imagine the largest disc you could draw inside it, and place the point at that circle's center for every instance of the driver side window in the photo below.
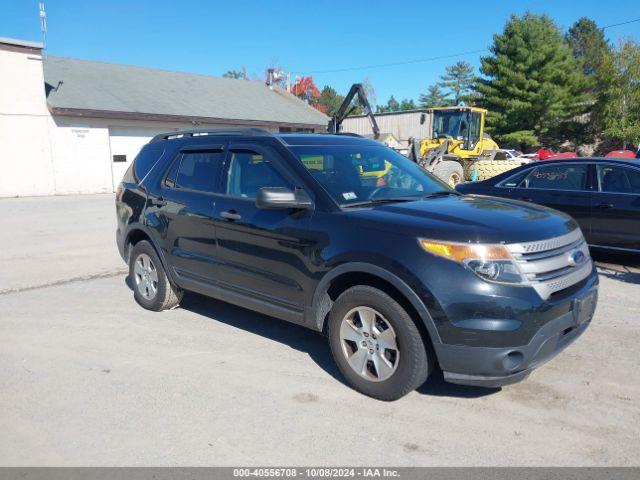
(249, 171)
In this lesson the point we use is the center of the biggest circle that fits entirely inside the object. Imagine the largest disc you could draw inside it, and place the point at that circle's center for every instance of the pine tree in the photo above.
(533, 86)
(590, 46)
(621, 98)
(392, 106)
(434, 97)
(330, 100)
(458, 81)
(407, 104)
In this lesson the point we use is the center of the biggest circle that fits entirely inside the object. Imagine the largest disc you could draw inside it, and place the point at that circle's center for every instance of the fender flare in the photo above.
(316, 312)
(149, 232)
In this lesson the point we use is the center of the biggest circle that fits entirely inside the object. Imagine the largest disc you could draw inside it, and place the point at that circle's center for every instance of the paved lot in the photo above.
(87, 377)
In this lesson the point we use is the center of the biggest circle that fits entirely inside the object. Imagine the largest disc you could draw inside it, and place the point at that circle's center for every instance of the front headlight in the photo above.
(491, 262)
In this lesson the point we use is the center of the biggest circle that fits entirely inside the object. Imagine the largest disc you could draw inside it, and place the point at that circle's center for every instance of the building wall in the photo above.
(44, 154)
(83, 149)
(401, 125)
(25, 152)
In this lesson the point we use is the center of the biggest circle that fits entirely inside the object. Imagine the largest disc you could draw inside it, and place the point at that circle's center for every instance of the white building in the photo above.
(74, 126)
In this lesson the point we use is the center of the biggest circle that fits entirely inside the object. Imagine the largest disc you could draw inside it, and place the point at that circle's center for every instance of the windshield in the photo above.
(358, 174)
(449, 123)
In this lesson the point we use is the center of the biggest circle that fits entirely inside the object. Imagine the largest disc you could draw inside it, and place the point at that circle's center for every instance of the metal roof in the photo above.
(75, 86)
(21, 43)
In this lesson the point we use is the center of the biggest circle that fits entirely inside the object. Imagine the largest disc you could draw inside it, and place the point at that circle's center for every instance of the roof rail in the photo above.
(257, 132)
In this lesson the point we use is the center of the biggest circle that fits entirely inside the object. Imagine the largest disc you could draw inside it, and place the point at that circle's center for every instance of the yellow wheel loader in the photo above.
(458, 149)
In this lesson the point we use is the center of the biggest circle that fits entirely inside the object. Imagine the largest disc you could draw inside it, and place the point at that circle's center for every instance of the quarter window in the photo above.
(170, 179)
(558, 177)
(249, 171)
(146, 159)
(515, 180)
(614, 179)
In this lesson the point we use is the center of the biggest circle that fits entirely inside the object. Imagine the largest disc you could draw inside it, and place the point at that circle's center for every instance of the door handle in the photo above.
(158, 201)
(231, 215)
(605, 206)
(525, 199)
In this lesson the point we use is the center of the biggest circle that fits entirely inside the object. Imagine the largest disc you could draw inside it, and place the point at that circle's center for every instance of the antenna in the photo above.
(43, 24)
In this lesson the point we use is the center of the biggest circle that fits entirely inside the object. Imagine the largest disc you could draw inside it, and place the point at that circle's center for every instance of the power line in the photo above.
(430, 59)
(393, 64)
(622, 23)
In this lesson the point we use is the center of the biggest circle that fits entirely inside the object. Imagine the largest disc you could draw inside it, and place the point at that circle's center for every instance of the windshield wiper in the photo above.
(377, 201)
(442, 193)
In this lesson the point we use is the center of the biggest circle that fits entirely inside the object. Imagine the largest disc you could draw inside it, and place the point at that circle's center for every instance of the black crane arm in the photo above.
(335, 124)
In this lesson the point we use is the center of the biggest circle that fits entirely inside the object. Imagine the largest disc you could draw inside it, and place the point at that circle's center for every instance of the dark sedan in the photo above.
(602, 194)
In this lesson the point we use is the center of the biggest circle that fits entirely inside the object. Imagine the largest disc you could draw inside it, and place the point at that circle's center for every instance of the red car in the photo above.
(620, 154)
(551, 155)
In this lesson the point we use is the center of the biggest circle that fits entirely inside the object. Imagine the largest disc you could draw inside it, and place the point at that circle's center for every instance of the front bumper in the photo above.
(498, 366)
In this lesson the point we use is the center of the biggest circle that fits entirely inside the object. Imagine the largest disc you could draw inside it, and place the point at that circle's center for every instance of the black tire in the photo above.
(450, 172)
(166, 295)
(413, 364)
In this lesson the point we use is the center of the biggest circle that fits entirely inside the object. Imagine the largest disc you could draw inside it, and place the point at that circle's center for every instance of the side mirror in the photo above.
(423, 118)
(283, 198)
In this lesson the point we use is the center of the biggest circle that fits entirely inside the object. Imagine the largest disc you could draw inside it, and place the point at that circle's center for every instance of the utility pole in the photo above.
(43, 25)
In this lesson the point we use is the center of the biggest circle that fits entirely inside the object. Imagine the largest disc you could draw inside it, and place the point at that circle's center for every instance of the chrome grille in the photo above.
(547, 265)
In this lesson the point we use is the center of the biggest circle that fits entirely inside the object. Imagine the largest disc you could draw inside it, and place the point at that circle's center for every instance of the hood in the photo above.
(468, 218)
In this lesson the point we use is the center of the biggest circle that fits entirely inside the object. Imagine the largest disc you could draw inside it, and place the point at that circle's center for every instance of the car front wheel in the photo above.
(376, 345)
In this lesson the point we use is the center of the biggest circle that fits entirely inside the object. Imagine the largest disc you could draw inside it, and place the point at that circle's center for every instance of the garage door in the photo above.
(125, 143)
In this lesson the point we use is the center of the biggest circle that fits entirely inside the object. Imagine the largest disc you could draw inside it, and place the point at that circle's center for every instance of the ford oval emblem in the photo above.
(577, 258)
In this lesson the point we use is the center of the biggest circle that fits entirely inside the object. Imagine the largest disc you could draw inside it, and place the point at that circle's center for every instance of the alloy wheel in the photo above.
(146, 276)
(369, 344)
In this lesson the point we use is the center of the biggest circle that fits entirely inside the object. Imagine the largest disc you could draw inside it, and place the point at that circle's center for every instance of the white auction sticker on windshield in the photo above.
(349, 196)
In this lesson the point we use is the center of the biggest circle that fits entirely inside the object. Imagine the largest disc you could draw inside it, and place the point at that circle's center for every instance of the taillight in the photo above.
(119, 191)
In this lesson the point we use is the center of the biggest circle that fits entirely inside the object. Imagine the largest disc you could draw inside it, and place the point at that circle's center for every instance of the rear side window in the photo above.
(614, 179)
(198, 170)
(558, 177)
(146, 159)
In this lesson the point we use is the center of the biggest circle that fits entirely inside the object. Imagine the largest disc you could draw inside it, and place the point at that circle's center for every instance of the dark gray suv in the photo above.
(345, 236)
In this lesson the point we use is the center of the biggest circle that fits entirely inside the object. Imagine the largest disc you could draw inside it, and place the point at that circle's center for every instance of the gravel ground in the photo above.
(89, 378)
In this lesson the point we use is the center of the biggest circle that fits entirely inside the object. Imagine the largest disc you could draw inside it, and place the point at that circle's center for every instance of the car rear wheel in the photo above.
(151, 287)
(376, 345)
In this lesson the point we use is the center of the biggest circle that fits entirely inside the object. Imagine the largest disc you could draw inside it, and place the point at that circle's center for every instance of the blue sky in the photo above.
(212, 37)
